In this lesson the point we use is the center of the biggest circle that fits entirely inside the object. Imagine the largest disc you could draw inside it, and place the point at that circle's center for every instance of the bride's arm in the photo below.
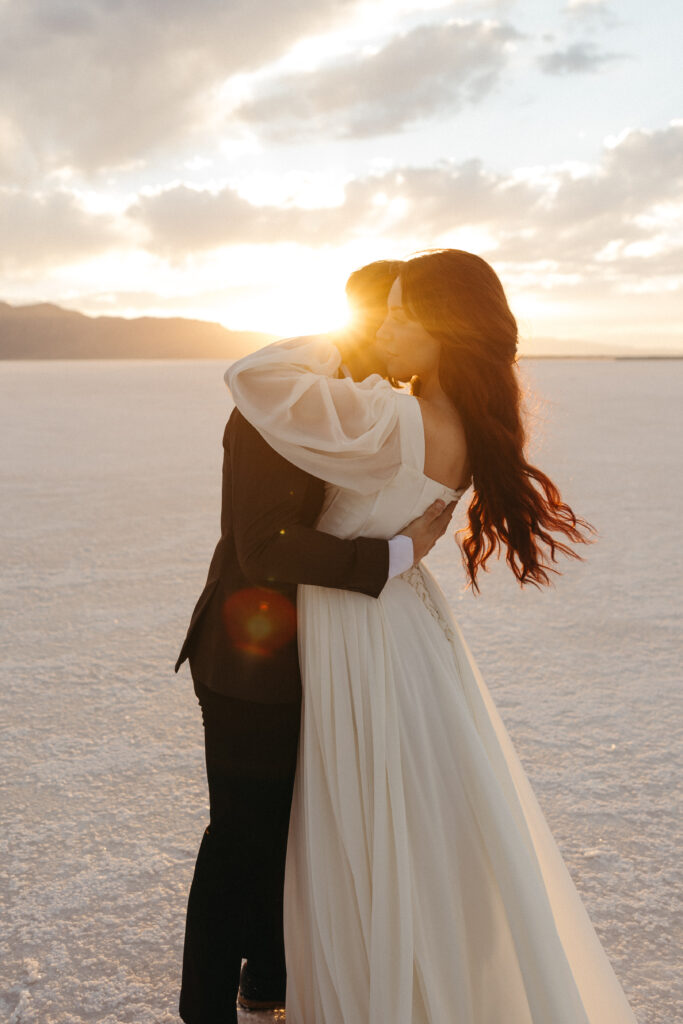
(338, 429)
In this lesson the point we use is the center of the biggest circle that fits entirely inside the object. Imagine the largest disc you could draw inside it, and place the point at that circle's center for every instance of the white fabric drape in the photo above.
(334, 428)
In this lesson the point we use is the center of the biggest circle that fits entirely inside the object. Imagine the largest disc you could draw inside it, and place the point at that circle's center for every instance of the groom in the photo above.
(242, 649)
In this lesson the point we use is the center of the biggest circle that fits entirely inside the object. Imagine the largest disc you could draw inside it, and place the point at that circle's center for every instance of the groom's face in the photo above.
(363, 356)
(376, 358)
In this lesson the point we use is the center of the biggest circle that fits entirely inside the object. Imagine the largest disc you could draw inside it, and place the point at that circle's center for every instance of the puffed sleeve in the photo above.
(337, 429)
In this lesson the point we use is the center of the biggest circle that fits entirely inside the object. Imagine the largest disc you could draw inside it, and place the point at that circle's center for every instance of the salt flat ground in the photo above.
(109, 512)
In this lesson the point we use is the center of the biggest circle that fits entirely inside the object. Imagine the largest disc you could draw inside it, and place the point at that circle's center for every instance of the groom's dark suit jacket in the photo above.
(268, 540)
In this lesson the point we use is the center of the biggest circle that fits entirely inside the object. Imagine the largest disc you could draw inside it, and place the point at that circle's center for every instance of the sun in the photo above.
(283, 290)
(320, 306)
(289, 291)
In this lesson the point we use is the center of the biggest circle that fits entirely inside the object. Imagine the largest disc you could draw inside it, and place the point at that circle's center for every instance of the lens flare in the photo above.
(259, 621)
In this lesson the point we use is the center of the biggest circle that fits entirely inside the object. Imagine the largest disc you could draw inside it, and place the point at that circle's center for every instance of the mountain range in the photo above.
(46, 331)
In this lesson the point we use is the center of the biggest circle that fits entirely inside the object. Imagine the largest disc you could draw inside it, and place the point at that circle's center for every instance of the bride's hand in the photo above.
(427, 528)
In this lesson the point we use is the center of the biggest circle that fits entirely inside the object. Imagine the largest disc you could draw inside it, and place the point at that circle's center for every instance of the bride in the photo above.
(423, 885)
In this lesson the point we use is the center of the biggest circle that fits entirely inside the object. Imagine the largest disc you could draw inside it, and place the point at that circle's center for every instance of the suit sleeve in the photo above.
(273, 544)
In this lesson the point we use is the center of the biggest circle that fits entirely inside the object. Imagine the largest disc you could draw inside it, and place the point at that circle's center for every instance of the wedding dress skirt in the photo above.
(423, 885)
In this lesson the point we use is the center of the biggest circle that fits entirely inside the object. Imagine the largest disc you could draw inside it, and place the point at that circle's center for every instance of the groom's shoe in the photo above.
(258, 993)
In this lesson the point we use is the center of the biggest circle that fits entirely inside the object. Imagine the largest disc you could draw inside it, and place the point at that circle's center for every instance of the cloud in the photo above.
(41, 230)
(181, 220)
(583, 8)
(432, 69)
(579, 58)
(555, 214)
(591, 14)
(98, 83)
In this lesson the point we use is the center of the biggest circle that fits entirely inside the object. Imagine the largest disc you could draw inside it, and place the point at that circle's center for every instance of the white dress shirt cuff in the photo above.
(400, 554)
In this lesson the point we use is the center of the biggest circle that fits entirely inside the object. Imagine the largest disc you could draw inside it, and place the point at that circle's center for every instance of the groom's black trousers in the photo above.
(235, 903)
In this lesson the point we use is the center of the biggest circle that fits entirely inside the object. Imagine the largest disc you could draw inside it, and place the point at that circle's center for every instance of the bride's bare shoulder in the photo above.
(445, 444)
(439, 417)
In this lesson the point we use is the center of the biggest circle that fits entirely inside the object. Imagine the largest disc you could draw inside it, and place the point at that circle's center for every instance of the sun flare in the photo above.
(318, 307)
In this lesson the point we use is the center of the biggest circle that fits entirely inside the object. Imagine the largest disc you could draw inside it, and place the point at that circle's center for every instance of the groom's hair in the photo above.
(366, 291)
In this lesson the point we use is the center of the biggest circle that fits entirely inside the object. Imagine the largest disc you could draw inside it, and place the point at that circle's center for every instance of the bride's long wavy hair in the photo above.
(459, 300)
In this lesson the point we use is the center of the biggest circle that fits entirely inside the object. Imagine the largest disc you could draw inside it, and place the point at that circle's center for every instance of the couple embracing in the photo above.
(362, 786)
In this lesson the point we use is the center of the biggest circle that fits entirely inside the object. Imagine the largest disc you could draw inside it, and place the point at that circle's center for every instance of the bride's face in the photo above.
(407, 347)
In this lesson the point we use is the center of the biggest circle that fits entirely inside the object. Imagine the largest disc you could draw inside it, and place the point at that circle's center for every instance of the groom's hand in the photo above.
(427, 528)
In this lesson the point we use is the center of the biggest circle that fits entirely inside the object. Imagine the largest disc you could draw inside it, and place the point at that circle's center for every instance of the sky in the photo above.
(235, 160)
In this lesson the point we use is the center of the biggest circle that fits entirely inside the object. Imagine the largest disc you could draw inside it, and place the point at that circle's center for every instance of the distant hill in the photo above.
(46, 331)
(568, 348)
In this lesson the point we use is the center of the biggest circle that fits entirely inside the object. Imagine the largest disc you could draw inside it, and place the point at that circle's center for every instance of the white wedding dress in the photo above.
(423, 885)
